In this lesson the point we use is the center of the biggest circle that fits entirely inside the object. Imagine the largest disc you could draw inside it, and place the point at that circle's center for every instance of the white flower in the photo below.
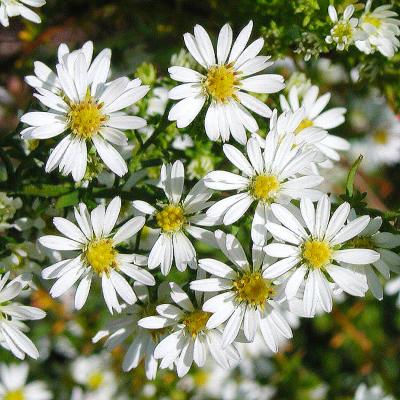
(182, 142)
(13, 384)
(190, 340)
(247, 301)
(374, 393)
(11, 316)
(176, 218)
(381, 28)
(344, 31)
(227, 79)
(314, 116)
(383, 243)
(13, 8)
(317, 253)
(86, 106)
(95, 374)
(126, 328)
(97, 255)
(271, 176)
(381, 146)
(158, 102)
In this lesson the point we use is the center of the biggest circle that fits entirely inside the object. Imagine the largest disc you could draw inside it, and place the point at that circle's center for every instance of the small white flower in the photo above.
(381, 28)
(314, 116)
(13, 385)
(95, 374)
(84, 104)
(373, 393)
(13, 8)
(11, 316)
(176, 218)
(269, 176)
(247, 301)
(383, 243)
(191, 339)
(97, 255)
(182, 142)
(315, 252)
(158, 102)
(126, 328)
(227, 79)
(344, 31)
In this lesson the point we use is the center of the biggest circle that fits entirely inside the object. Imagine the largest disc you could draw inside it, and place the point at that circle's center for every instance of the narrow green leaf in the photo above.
(351, 176)
(68, 199)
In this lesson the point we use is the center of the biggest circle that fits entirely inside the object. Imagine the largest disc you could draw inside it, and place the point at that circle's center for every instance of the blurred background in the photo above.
(330, 355)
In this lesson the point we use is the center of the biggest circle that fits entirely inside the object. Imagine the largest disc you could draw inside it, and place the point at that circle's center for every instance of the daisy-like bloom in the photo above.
(190, 338)
(177, 217)
(13, 385)
(126, 329)
(373, 393)
(13, 8)
(271, 176)
(97, 255)
(94, 373)
(248, 300)
(12, 315)
(82, 103)
(314, 116)
(227, 78)
(382, 29)
(344, 31)
(383, 243)
(317, 253)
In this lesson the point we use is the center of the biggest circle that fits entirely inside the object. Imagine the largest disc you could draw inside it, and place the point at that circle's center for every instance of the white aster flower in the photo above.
(13, 8)
(373, 393)
(383, 243)
(95, 374)
(176, 218)
(191, 339)
(314, 116)
(12, 315)
(268, 177)
(142, 341)
(96, 246)
(247, 301)
(13, 385)
(226, 81)
(344, 31)
(82, 103)
(382, 29)
(316, 253)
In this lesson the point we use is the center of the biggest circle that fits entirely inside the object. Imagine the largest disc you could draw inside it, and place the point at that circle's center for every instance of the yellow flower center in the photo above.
(306, 123)
(96, 379)
(342, 30)
(196, 321)
(253, 289)
(171, 218)
(317, 253)
(381, 136)
(85, 118)
(370, 19)
(14, 395)
(201, 377)
(221, 82)
(264, 188)
(101, 255)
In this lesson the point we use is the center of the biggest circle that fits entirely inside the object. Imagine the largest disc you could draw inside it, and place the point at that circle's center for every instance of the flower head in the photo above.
(13, 8)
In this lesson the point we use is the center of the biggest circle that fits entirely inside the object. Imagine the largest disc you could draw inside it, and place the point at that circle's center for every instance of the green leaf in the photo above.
(351, 176)
(68, 200)
(45, 190)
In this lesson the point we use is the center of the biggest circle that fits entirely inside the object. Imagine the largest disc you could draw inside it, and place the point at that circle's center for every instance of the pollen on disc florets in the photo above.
(86, 118)
(342, 32)
(305, 123)
(221, 82)
(253, 289)
(101, 255)
(264, 188)
(96, 379)
(171, 218)
(196, 321)
(370, 19)
(317, 253)
(15, 395)
(381, 136)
